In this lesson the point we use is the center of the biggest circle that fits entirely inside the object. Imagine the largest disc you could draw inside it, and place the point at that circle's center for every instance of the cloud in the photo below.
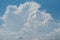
(27, 22)
(6, 35)
(55, 35)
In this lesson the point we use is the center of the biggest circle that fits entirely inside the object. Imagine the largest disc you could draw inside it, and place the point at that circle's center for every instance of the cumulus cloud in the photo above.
(27, 22)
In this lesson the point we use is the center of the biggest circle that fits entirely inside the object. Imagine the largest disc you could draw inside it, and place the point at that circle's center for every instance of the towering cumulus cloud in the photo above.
(28, 22)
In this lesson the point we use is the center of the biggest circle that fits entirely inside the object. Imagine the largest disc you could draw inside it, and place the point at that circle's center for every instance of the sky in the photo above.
(29, 20)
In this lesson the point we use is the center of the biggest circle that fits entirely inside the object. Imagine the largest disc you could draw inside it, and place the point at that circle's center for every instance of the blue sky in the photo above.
(52, 6)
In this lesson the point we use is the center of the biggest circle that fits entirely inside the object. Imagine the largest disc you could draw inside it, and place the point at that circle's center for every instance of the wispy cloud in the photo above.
(27, 22)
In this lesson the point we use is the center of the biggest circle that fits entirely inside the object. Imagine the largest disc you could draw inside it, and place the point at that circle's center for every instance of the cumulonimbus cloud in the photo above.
(27, 22)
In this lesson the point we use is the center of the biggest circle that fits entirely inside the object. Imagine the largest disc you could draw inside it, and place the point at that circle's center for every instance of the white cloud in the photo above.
(55, 35)
(6, 35)
(29, 23)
